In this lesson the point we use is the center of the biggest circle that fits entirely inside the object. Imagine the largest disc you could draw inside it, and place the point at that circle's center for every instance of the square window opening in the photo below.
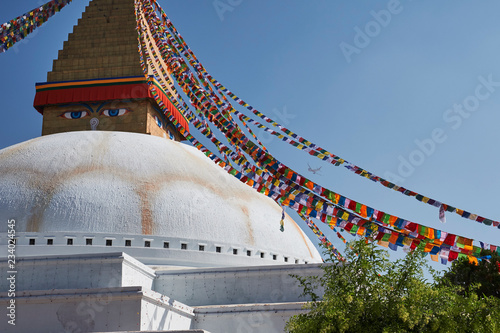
(147, 243)
(69, 241)
(109, 242)
(218, 249)
(50, 241)
(128, 242)
(184, 246)
(166, 245)
(32, 241)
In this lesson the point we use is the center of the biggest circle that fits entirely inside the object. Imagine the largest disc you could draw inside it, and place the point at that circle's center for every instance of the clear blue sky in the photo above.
(366, 97)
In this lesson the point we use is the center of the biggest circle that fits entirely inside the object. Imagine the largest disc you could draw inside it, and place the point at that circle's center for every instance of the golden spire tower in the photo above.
(97, 82)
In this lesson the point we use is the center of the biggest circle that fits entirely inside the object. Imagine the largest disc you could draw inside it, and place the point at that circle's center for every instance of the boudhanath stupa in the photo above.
(122, 227)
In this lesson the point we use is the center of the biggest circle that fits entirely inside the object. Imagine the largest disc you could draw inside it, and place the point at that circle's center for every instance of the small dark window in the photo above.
(88, 241)
(296, 261)
(32, 241)
(147, 243)
(184, 246)
(109, 242)
(235, 251)
(128, 242)
(201, 247)
(286, 259)
(274, 257)
(69, 241)
(166, 245)
(262, 254)
(50, 241)
(249, 253)
(218, 249)
(306, 262)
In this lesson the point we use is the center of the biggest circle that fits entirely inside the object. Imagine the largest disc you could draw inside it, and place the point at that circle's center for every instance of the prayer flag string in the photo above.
(303, 144)
(264, 173)
(17, 29)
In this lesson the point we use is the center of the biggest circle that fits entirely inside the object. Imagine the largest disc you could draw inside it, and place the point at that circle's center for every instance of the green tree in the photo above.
(482, 279)
(370, 293)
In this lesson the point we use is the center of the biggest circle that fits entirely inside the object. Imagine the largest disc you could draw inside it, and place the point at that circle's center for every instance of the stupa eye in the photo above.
(74, 114)
(114, 112)
(158, 122)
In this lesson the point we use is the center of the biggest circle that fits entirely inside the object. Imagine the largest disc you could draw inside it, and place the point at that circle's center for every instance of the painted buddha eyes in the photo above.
(74, 114)
(114, 112)
(158, 122)
(83, 114)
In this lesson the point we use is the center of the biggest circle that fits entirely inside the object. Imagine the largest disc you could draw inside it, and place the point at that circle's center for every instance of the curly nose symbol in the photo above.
(93, 123)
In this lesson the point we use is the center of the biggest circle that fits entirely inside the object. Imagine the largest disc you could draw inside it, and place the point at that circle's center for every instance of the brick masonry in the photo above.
(104, 45)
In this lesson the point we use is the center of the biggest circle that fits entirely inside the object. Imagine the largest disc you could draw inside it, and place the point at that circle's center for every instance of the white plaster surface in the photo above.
(96, 310)
(114, 292)
(79, 272)
(126, 183)
(235, 285)
(246, 318)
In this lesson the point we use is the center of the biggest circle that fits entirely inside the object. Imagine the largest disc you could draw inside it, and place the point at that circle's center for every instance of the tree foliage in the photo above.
(482, 278)
(370, 293)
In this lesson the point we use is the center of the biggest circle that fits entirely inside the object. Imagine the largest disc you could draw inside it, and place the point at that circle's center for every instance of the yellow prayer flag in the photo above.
(382, 243)
(407, 241)
(363, 211)
(473, 260)
(337, 198)
(428, 247)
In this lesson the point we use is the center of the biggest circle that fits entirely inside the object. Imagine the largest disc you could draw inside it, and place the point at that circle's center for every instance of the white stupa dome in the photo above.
(162, 201)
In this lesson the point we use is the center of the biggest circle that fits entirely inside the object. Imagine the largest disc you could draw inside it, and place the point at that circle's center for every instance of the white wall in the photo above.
(248, 318)
(155, 254)
(94, 310)
(237, 285)
(78, 272)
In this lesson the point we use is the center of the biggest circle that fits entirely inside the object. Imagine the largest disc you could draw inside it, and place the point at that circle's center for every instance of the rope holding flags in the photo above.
(207, 105)
(257, 167)
(282, 222)
(300, 142)
(17, 29)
